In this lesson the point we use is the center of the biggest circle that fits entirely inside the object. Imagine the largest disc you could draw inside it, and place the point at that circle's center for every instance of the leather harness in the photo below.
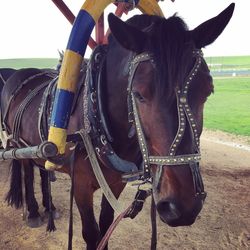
(14, 136)
(95, 120)
(96, 124)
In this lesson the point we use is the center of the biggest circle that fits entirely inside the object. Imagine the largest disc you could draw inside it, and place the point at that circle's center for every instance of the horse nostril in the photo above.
(168, 211)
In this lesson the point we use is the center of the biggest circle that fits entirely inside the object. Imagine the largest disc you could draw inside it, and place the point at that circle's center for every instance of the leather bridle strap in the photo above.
(183, 110)
(185, 117)
(158, 160)
(185, 114)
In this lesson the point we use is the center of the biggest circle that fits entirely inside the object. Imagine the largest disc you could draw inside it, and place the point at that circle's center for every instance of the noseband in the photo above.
(185, 119)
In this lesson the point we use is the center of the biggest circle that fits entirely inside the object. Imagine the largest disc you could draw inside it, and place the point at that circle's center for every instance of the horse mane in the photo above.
(171, 45)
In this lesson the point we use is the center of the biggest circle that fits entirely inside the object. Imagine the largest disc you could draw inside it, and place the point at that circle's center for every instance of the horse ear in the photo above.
(127, 36)
(207, 32)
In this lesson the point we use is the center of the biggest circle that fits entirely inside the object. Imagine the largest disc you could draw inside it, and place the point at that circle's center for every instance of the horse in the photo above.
(14, 198)
(155, 83)
(5, 73)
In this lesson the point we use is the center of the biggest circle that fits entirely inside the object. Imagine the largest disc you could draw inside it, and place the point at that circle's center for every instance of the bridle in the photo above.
(185, 119)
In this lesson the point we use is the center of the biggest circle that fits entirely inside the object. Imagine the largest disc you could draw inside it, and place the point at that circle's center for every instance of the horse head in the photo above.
(158, 68)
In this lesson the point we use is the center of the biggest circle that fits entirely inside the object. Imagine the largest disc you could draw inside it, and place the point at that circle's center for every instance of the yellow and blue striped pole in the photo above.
(84, 23)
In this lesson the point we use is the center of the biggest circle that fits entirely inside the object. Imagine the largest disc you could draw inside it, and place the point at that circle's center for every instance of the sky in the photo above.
(36, 28)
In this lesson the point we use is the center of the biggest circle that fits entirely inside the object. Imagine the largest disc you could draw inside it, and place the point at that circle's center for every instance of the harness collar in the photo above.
(95, 122)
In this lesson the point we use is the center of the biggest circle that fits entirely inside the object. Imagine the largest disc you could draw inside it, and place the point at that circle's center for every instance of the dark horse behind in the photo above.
(154, 73)
(15, 195)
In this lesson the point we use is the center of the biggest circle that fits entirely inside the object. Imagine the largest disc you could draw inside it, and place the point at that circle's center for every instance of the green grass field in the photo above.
(228, 62)
(29, 63)
(214, 62)
(227, 110)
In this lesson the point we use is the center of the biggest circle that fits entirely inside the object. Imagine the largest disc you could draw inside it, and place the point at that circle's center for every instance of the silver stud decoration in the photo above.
(185, 118)
(183, 99)
(174, 160)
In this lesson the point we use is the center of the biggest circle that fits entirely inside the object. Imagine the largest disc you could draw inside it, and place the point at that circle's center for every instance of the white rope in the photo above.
(99, 175)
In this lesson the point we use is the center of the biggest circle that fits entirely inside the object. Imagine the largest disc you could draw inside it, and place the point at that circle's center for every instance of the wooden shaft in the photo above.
(43, 151)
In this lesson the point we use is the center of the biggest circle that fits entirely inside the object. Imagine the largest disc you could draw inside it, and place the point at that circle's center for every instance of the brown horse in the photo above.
(153, 69)
(15, 196)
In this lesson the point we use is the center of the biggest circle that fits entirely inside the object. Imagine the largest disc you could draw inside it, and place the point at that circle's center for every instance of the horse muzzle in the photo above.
(174, 211)
(174, 214)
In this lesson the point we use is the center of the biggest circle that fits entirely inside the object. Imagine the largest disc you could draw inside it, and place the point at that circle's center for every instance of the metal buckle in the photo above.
(138, 202)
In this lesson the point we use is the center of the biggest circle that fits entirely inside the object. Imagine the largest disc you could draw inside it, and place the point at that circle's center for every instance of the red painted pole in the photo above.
(71, 17)
(120, 9)
(99, 30)
(65, 10)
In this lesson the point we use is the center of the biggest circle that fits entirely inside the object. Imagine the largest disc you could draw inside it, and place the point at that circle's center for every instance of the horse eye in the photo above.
(138, 96)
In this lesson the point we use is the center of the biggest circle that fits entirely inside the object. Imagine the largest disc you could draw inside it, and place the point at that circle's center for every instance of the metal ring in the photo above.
(98, 151)
(103, 140)
(93, 97)
(97, 57)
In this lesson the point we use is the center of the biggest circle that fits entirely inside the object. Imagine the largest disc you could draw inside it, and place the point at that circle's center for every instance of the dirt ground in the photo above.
(224, 222)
